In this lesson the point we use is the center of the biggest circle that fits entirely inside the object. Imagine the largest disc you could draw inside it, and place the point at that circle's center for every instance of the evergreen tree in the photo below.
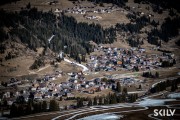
(174, 61)
(28, 6)
(173, 88)
(21, 111)
(61, 98)
(100, 101)
(140, 87)
(118, 87)
(95, 101)
(124, 90)
(119, 100)
(80, 102)
(44, 106)
(29, 109)
(65, 107)
(123, 97)
(176, 84)
(20, 100)
(39, 107)
(14, 110)
(157, 75)
(90, 102)
(35, 107)
(133, 97)
(53, 106)
(106, 101)
(114, 99)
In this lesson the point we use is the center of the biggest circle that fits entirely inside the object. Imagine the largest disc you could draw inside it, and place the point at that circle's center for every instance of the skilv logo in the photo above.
(164, 112)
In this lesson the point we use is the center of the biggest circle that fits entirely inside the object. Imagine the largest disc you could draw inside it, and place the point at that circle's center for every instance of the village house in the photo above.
(70, 95)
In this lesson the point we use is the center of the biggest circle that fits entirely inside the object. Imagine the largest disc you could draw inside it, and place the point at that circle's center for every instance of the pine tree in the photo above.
(176, 84)
(123, 97)
(35, 107)
(95, 101)
(133, 97)
(157, 75)
(124, 90)
(53, 106)
(60, 98)
(118, 87)
(90, 102)
(150, 74)
(106, 101)
(100, 101)
(174, 61)
(14, 110)
(39, 107)
(140, 87)
(173, 87)
(65, 107)
(28, 6)
(29, 109)
(113, 99)
(44, 106)
(80, 102)
(20, 110)
(119, 99)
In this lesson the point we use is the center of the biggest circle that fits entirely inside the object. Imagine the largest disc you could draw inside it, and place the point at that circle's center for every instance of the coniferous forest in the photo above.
(7, 1)
(34, 28)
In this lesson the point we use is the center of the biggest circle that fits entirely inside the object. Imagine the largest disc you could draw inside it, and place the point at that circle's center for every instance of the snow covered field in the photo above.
(153, 102)
(174, 95)
(106, 116)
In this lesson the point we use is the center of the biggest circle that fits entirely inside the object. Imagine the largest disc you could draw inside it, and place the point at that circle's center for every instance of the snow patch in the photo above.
(51, 38)
(174, 95)
(134, 92)
(153, 102)
(84, 67)
(106, 116)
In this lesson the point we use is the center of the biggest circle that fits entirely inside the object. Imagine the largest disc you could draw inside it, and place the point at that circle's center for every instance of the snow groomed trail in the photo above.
(83, 66)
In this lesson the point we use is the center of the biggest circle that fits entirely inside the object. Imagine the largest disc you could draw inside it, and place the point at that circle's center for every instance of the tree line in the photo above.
(150, 75)
(2, 2)
(113, 98)
(173, 84)
(20, 107)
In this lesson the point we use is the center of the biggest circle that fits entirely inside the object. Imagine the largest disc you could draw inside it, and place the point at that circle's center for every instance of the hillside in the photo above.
(70, 26)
